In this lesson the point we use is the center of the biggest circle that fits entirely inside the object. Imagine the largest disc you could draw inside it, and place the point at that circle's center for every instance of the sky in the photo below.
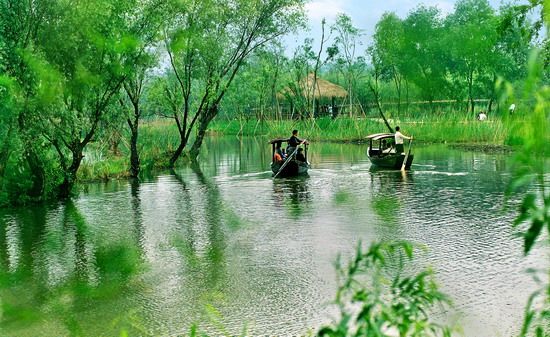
(364, 14)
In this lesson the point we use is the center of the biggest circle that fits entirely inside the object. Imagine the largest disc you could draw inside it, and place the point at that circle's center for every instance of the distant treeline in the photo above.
(427, 56)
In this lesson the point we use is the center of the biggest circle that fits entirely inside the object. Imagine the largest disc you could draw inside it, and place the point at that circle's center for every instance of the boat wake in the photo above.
(442, 173)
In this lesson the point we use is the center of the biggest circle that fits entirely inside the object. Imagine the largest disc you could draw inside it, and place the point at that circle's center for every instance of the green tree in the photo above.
(132, 102)
(471, 37)
(207, 42)
(388, 45)
(92, 48)
(424, 61)
(20, 24)
(373, 81)
(300, 93)
(347, 39)
(257, 84)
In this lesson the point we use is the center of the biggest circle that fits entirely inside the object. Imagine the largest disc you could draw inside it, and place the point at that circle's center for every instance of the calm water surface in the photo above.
(229, 247)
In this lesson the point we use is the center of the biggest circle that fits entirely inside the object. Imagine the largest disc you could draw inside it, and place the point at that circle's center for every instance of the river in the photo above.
(230, 248)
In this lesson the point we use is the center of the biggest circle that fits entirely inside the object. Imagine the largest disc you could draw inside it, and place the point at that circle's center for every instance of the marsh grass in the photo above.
(158, 139)
(429, 129)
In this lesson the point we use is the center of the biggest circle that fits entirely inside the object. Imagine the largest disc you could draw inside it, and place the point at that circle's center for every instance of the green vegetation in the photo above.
(430, 130)
(78, 79)
(378, 297)
(76, 90)
(531, 182)
(422, 59)
(75, 77)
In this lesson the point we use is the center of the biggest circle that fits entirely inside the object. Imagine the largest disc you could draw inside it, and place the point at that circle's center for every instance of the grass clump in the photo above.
(425, 129)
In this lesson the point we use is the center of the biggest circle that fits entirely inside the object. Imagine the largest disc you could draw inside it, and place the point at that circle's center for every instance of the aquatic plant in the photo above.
(428, 129)
(530, 181)
(379, 296)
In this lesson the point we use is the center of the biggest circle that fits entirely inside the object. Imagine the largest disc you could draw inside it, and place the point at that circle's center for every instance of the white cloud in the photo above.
(319, 9)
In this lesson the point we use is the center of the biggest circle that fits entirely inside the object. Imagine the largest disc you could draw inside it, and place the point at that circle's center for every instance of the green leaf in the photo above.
(527, 205)
(532, 234)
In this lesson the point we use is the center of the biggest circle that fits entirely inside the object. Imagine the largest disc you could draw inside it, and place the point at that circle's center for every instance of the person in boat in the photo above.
(293, 142)
(399, 139)
(300, 155)
(279, 155)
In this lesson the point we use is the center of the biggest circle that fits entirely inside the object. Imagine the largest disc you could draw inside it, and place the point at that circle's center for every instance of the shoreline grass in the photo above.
(356, 130)
(158, 139)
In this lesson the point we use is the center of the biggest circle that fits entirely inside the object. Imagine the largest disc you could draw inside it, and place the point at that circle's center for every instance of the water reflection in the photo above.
(293, 195)
(61, 271)
(202, 240)
(137, 218)
(150, 257)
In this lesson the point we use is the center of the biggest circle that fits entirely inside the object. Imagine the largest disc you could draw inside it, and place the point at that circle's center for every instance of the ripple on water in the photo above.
(261, 251)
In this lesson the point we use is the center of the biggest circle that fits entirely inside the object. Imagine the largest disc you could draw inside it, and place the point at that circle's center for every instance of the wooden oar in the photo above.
(288, 159)
(406, 156)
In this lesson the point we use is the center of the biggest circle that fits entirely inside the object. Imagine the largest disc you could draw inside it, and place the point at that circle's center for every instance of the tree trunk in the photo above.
(382, 115)
(376, 95)
(134, 154)
(205, 120)
(397, 81)
(38, 174)
(69, 175)
(470, 91)
(5, 153)
(407, 96)
(178, 152)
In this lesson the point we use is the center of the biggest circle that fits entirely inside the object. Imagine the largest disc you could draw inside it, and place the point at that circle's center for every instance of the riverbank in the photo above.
(158, 139)
(454, 131)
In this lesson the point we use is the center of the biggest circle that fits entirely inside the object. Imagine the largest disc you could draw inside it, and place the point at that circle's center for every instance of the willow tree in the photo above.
(89, 50)
(424, 59)
(20, 24)
(388, 46)
(472, 37)
(347, 39)
(131, 101)
(207, 43)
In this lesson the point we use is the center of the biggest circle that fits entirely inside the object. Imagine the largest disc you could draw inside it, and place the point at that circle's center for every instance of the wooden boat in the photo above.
(289, 167)
(382, 152)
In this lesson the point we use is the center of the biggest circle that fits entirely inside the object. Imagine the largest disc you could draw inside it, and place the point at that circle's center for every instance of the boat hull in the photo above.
(293, 168)
(392, 161)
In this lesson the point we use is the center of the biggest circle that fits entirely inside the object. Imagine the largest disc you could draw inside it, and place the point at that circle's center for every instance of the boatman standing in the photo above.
(293, 142)
(399, 138)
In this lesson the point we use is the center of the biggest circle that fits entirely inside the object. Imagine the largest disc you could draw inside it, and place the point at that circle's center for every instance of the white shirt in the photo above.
(482, 116)
(399, 137)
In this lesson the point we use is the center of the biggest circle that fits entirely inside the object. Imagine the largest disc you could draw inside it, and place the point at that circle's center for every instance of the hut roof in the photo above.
(323, 88)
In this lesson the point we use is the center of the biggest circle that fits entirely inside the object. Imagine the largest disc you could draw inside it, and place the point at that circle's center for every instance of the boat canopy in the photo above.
(276, 140)
(378, 136)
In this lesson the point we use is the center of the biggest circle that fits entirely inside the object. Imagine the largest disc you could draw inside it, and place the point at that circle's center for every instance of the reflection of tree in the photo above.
(20, 290)
(203, 211)
(138, 216)
(293, 193)
(64, 274)
(388, 189)
(103, 272)
(19, 235)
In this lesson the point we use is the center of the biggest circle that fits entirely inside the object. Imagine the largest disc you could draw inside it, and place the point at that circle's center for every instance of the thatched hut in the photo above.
(315, 94)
